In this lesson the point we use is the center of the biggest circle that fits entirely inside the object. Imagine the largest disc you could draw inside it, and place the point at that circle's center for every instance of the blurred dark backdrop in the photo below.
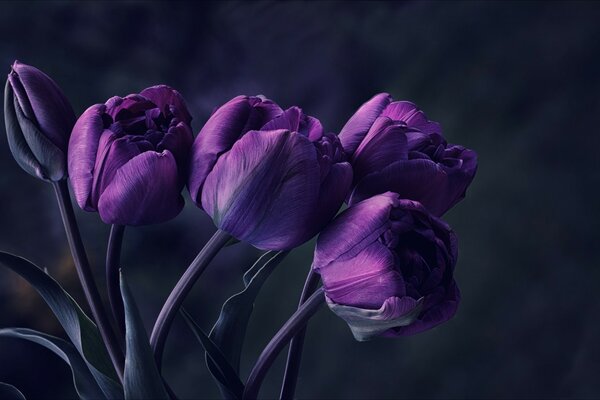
(516, 81)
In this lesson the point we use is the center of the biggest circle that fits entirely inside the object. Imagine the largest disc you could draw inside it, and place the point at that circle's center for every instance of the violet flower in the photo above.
(266, 176)
(128, 157)
(39, 119)
(387, 267)
(394, 147)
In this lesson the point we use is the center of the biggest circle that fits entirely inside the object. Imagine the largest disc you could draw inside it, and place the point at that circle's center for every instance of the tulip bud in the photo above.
(266, 176)
(128, 157)
(39, 119)
(394, 147)
(387, 267)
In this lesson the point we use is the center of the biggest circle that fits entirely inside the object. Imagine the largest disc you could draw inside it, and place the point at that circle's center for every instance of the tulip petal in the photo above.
(332, 193)
(144, 191)
(52, 160)
(366, 280)
(366, 324)
(264, 189)
(354, 229)
(442, 311)
(384, 144)
(113, 153)
(83, 147)
(216, 137)
(410, 114)
(294, 120)
(16, 141)
(359, 124)
(420, 180)
(53, 112)
(168, 99)
(178, 140)
(220, 132)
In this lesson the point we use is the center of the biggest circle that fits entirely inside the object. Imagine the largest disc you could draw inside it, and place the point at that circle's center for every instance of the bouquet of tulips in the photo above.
(269, 177)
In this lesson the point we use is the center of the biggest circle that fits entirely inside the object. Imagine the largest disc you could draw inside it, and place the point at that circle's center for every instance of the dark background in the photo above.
(516, 81)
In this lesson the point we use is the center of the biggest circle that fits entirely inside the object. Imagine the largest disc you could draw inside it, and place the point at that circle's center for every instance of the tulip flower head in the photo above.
(394, 147)
(266, 176)
(128, 157)
(387, 267)
(39, 119)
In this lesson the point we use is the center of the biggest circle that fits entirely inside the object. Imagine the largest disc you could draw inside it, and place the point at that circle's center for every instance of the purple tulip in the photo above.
(394, 147)
(267, 176)
(128, 157)
(39, 119)
(387, 267)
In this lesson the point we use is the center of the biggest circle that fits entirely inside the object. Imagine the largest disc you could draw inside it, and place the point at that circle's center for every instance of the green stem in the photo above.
(293, 325)
(292, 366)
(186, 282)
(113, 261)
(86, 277)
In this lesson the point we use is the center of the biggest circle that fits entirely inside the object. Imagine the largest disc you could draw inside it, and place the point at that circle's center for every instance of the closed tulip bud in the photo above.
(387, 267)
(128, 157)
(39, 119)
(266, 176)
(394, 147)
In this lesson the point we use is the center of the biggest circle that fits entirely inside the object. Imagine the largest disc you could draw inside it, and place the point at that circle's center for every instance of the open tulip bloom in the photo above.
(271, 177)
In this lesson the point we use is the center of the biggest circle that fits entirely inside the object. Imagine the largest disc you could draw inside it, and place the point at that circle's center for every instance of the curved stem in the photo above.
(86, 277)
(181, 290)
(113, 261)
(292, 366)
(296, 322)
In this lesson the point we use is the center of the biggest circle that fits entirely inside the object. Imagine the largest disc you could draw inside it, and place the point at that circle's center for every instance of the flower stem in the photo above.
(86, 277)
(292, 366)
(113, 261)
(181, 290)
(296, 322)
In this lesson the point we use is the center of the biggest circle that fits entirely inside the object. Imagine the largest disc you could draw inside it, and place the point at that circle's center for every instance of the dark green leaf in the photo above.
(227, 375)
(258, 264)
(84, 381)
(230, 329)
(141, 377)
(79, 328)
(9, 392)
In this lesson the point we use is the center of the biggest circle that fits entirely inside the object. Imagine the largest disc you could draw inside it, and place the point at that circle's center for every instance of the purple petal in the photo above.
(43, 101)
(83, 147)
(168, 99)
(441, 312)
(220, 132)
(384, 144)
(359, 124)
(408, 113)
(421, 180)
(333, 191)
(122, 108)
(264, 190)
(294, 120)
(143, 191)
(366, 280)
(354, 229)
(178, 140)
(113, 153)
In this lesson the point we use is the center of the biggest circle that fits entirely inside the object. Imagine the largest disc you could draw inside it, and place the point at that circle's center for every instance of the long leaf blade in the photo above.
(229, 331)
(227, 374)
(85, 383)
(9, 392)
(141, 377)
(82, 332)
